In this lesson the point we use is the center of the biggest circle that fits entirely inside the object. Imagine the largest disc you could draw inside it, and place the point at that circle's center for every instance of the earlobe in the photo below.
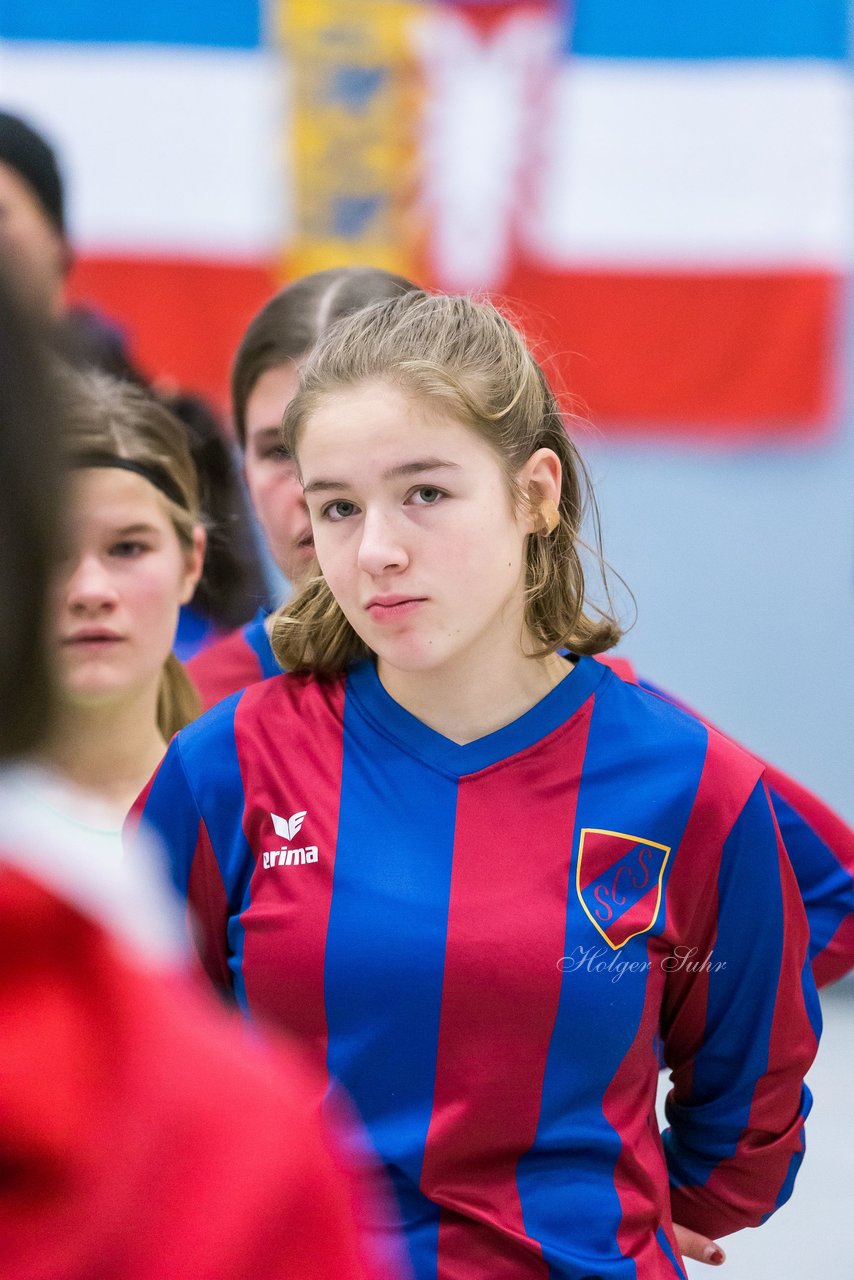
(549, 516)
(541, 479)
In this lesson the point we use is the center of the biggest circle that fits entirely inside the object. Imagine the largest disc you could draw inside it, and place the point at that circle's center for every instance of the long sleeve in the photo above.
(821, 850)
(740, 1025)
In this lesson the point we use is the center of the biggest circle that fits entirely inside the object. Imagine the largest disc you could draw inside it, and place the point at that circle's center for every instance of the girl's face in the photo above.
(415, 529)
(271, 476)
(121, 586)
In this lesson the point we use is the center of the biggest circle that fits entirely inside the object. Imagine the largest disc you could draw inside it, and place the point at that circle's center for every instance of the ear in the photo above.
(194, 563)
(540, 479)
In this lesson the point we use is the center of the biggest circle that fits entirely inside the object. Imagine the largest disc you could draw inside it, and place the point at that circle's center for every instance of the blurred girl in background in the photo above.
(263, 382)
(134, 555)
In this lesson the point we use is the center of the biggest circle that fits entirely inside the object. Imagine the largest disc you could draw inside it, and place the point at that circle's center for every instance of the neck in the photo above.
(110, 749)
(476, 698)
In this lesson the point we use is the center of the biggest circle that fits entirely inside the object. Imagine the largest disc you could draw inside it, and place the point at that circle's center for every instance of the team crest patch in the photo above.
(618, 879)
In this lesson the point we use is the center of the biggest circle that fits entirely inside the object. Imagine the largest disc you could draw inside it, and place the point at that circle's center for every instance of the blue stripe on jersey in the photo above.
(219, 23)
(209, 748)
(656, 807)
(746, 870)
(826, 887)
(441, 753)
(255, 635)
(389, 907)
(707, 28)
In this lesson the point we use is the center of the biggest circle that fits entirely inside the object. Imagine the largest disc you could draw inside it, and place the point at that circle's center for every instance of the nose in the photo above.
(89, 587)
(381, 548)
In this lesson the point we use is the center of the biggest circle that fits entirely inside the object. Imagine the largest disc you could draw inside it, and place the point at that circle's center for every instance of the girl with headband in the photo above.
(135, 548)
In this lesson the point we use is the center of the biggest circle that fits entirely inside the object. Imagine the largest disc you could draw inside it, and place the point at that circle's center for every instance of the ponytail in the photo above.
(178, 702)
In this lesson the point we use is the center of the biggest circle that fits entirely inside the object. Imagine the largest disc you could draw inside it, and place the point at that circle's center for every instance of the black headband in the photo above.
(154, 475)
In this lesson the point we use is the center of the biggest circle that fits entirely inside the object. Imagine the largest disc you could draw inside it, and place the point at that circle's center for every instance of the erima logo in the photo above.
(287, 829)
(290, 857)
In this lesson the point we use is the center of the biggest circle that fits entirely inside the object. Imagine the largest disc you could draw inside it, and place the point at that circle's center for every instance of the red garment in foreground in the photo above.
(143, 1133)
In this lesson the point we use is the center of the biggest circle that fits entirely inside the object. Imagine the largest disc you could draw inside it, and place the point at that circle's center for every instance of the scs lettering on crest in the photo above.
(619, 881)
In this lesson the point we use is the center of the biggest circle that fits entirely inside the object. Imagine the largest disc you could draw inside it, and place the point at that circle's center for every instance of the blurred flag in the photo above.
(662, 191)
(670, 183)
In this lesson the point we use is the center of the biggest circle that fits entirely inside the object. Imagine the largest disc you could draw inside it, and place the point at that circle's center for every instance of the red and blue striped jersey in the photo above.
(819, 844)
(489, 944)
(243, 657)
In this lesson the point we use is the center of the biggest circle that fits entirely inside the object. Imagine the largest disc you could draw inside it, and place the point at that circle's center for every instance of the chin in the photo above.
(411, 658)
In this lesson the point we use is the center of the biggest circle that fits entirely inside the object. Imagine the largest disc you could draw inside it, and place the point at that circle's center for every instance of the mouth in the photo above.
(390, 608)
(91, 640)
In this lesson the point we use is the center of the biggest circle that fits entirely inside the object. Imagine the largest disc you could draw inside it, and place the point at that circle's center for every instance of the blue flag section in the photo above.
(708, 29)
(236, 24)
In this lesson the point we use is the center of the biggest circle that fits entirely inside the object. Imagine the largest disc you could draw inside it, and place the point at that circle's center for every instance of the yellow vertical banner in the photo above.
(355, 103)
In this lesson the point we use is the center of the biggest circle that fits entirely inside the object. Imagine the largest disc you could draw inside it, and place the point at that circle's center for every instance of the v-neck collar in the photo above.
(417, 738)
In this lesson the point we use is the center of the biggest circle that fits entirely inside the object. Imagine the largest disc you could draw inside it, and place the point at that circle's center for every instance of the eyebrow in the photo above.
(393, 473)
(140, 527)
(267, 434)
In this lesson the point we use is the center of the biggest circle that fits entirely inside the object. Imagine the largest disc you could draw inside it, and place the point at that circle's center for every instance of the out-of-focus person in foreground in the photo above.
(120, 1156)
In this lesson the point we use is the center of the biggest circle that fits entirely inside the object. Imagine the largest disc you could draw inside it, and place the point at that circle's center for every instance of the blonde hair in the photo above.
(464, 359)
(106, 418)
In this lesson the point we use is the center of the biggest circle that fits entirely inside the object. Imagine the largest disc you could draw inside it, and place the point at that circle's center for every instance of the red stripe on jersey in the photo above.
(207, 911)
(290, 897)
(629, 1105)
(511, 871)
(224, 667)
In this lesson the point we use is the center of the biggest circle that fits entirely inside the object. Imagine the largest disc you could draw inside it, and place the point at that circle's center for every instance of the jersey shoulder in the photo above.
(655, 724)
(282, 706)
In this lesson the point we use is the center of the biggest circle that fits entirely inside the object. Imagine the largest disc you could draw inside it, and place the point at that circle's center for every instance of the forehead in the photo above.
(108, 497)
(17, 194)
(269, 398)
(372, 420)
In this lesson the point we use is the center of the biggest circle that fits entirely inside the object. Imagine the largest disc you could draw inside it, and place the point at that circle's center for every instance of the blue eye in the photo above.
(339, 510)
(427, 495)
